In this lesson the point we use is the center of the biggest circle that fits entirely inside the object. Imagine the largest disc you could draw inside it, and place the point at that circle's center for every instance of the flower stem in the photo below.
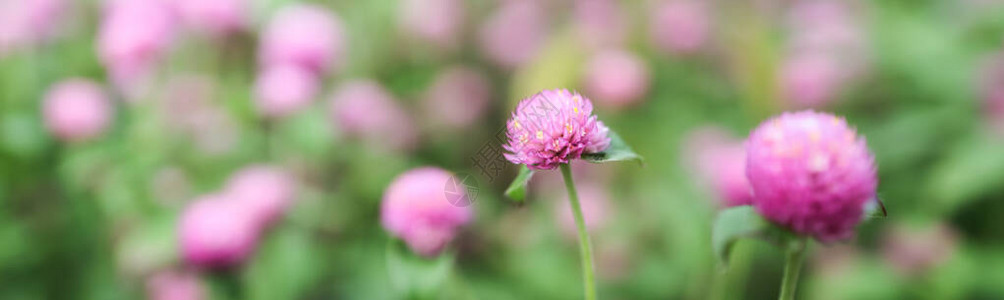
(793, 265)
(584, 246)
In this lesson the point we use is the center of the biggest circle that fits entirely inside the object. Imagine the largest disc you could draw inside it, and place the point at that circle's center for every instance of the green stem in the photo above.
(793, 265)
(584, 247)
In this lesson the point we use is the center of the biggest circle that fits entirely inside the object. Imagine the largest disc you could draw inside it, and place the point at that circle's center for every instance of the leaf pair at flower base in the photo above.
(617, 151)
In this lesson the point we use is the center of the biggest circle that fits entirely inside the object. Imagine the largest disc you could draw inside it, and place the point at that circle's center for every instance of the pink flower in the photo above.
(26, 23)
(76, 110)
(214, 16)
(811, 173)
(811, 80)
(264, 192)
(216, 232)
(457, 97)
(514, 34)
(913, 251)
(553, 127)
(435, 21)
(991, 88)
(720, 159)
(600, 23)
(416, 209)
(133, 36)
(681, 26)
(306, 35)
(595, 205)
(284, 89)
(364, 109)
(175, 285)
(617, 78)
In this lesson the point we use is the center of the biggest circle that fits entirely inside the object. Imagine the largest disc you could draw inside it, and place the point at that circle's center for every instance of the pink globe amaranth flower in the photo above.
(282, 90)
(306, 35)
(514, 34)
(916, 250)
(991, 88)
(721, 161)
(363, 109)
(416, 209)
(217, 17)
(811, 80)
(76, 110)
(595, 205)
(132, 37)
(616, 78)
(435, 21)
(553, 127)
(600, 23)
(681, 26)
(265, 192)
(810, 173)
(26, 23)
(457, 97)
(175, 285)
(217, 232)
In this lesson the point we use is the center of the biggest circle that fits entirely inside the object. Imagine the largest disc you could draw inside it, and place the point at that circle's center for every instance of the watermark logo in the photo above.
(461, 190)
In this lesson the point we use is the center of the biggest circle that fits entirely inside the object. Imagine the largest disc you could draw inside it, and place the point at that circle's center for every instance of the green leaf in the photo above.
(517, 189)
(617, 151)
(875, 209)
(744, 222)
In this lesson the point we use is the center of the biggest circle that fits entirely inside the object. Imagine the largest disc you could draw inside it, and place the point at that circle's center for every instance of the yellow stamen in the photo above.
(540, 135)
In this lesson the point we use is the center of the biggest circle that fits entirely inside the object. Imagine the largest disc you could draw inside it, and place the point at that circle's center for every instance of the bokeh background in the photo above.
(117, 115)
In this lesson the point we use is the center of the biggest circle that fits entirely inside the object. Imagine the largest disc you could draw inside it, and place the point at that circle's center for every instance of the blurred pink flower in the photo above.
(175, 285)
(76, 110)
(265, 192)
(720, 160)
(363, 109)
(681, 26)
(595, 205)
(811, 80)
(438, 22)
(306, 35)
(284, 89)
(415, 208)
(616, 78)
(553, 127)
(826, 26)
(991, 88)
(913, 251)
(133, 36)
(216, 232)
(28, 22)
(457, 97)
(812, 173)
(600, 23)
(218, 17)
(514, 33)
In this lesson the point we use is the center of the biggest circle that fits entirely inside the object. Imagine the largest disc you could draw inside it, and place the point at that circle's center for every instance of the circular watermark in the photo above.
(461, 189)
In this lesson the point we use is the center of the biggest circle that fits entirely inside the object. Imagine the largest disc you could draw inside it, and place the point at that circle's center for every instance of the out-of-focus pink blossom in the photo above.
(616, 78)
(991, 88)
(600, 23)
(416, 209)
(553, 127)
(306, 35)
(265, 192)
(457, 97)
(216, 232)
(214, 16)
(681, 26)
(76, 110)
(514, 34)
(595, 205)
(720, 160)
(835, 261)
(133, 36)
(914, 251)
(363, 109)
(438, 22)
(175, 285)
(28, 22)
(811, 80)
(282, 90)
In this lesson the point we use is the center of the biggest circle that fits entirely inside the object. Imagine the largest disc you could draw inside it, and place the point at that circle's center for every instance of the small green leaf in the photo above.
(617, 151)
(517, 189)
(744, 222)
(875, 209)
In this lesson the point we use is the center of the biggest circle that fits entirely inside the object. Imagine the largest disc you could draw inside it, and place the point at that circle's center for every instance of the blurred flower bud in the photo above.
(811, 80)
(616, 78)
(363, 109)
(76, 110)
(216, 232)
(265, 192)
(834, 261)
(457, 97)
(595, 205)
(681, 26)
(217, 17)
(284, 89)
(133, 36)
(514, 33)
(914, 251)
(720, 160)
(26, 23)
(305, 35)
(416, 210)
(438, 22)
(175, 285)
(991, 88)
(600, 23)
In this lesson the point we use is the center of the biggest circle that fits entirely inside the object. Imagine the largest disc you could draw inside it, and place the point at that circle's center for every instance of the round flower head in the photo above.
(721, 161)
(364, 109)
(76, 110)
(811, 173)
(132, 37)
(265, 192)
(913, 251)
(216, 232)
(284, 89)
(811, 80)
(600, 23)
(214, 16)
(457, 97)
(306, 35)
(436, 21)
(25, 23)
(681, 26)
(175, 285)
(616, 78)
(416, 209)
(514, 34)
(553, 127)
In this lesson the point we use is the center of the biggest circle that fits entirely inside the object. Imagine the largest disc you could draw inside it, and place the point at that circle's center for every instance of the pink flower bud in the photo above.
(133, 36)
(553, 127)
(216, 232)
(514, 33)
(913, 251)
(811, 80)
(595, 205)
(26, 23)
(616, 78)
(265, 192)
(306, 35)
(175, 285)
(811, 173)
(416, 209)
(457, 97)
(216, 17)
(284, 89)
(681, 26)
(76, 110)
(435, 21)
(363, 109)
(720, 160)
